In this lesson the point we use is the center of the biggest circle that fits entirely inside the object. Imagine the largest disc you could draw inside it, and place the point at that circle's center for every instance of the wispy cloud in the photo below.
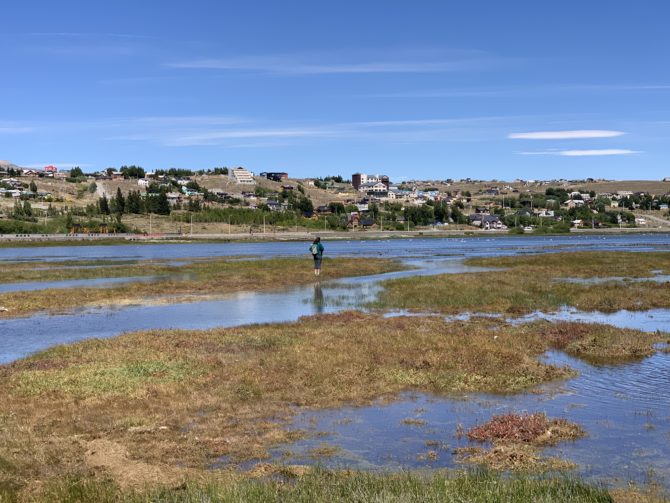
(15, 130)
(566, 135)
(513, 91)
(584, 153)
(228, 131)
(402, 61)
(60, 165)
(80, 43)
(74, 34)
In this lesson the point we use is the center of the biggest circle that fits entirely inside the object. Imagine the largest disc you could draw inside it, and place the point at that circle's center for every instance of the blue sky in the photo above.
(424, 89)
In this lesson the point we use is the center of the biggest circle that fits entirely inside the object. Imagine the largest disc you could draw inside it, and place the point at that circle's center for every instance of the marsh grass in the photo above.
(191, 282)
(193, 398)
(517, 457)
(321, 486)
(527, 284)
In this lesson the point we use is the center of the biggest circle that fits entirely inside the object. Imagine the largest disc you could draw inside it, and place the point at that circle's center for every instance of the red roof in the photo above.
(51, 169)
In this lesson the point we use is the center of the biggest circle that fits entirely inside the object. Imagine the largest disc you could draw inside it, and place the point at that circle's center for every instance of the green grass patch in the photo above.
(331, 487)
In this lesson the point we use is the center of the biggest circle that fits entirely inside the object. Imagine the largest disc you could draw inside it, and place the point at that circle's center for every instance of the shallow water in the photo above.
(624, 408)
(419, 247)
(659, 278)
(72, 283)
(20, 337)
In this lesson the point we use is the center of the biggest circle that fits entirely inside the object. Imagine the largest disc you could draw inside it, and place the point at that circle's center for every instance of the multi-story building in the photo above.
(358, 179)
(241, 175)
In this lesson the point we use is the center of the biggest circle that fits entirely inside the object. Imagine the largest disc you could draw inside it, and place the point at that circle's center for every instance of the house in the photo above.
(276, 206)
(275, 177)
(640, 221)
(116, 175)
(174, 197)
(50, 169)
(143, 182)
(577, 223)
(373, 188)
(29, 172)
(486, 221)
(573, 203)
(241, 175)
(367, 222)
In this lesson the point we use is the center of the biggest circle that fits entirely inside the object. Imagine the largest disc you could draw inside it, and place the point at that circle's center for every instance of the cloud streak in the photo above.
(584, 153)
(15, 130)
(228, 131)
(428, 61)
(566, 135)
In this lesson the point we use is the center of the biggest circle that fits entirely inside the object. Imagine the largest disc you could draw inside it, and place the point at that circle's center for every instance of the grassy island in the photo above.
(161, 407)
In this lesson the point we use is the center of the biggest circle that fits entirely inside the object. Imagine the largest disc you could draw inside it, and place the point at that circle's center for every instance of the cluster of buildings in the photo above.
(378, 188)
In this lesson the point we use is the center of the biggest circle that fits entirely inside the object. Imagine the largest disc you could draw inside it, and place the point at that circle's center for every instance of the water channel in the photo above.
(624, 408)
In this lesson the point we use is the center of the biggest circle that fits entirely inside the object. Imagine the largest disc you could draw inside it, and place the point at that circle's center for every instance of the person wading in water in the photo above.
(316, 249)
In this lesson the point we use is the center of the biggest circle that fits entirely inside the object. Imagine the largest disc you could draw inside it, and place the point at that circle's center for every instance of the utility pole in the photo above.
(229, 225)
(382, 223)
(191, 224)
(150, 231)
(263, 223)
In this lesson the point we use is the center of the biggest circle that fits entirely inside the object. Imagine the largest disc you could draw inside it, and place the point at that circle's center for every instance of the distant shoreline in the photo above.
(31, 240)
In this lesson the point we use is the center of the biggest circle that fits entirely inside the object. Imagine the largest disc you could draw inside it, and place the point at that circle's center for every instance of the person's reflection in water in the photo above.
(318, 298)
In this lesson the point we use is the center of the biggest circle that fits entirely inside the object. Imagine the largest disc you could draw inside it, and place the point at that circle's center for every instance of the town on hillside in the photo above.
(226, 200)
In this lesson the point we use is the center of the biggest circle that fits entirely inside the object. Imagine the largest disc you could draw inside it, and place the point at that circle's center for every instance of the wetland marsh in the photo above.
(483, 329)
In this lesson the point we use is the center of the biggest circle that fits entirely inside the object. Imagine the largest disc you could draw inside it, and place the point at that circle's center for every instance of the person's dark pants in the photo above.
(317, 262)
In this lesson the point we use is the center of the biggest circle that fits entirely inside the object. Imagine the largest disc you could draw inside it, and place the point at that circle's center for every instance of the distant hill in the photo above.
(5, 165)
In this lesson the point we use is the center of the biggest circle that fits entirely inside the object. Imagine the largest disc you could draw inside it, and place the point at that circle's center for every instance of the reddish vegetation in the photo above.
(530, 428)
(560, 335)
(511, 426)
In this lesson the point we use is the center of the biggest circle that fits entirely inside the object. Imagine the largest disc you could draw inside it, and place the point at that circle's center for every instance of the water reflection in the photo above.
(319, 302)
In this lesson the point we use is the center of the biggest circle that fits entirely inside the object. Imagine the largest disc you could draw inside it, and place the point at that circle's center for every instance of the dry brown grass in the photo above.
(512, 457)
(191, 282)
(190, 397)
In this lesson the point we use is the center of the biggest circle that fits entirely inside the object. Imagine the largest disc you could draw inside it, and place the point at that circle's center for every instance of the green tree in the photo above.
(162, 204)
(119, 202)
(134, 202)
(76, 172)
(132, 171)
(193, 205)
(33, 186)
(103, 204)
